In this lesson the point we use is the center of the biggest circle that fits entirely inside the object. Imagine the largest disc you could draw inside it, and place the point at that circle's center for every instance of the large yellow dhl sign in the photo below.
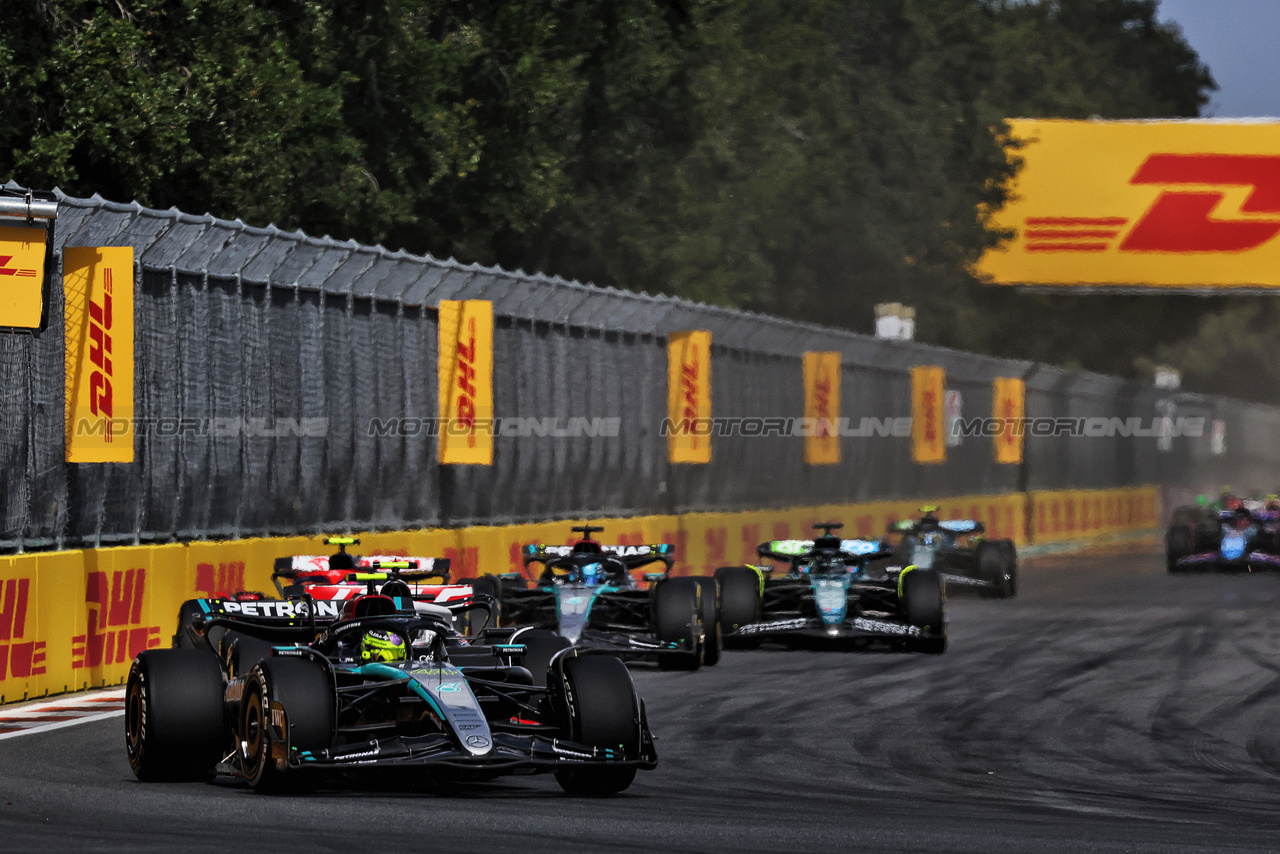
(22, 254)
(822, 407)
(1161, 204)
(98, 284)
(928, 441)
(689, 396)
(465, 366)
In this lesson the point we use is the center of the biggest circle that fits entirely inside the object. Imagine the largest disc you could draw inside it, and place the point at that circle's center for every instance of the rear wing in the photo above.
(631, 557)
(963, 526)
(794, 550)
(418, 567)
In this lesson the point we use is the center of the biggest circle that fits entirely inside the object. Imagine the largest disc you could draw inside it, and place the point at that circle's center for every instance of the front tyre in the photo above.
(174, 727)
(288, 708)
(712, 634)
(603, 711)
(739, 600)
(920, 598)
(678, 620)
(540, 646)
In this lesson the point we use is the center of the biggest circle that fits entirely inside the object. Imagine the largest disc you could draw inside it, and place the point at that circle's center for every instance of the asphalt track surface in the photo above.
(1110, 707)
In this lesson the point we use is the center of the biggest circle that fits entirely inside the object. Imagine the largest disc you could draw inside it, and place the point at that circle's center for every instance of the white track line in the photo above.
(83, 708)
(119, 713)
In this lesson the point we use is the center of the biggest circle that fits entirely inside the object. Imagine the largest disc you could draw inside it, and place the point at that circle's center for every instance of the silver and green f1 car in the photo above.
(834, 592)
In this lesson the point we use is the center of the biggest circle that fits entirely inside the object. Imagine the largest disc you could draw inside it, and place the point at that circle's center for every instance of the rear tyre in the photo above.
(739, 601)
(1179, 542)
(1011, 568)
(540, 646)
(712, 635)
(678, 619)
(174, 728)
(304, 691)
(603, 711)
(922, 606)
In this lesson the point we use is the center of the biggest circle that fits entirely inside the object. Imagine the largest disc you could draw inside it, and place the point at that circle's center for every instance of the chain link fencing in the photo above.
(270, 364)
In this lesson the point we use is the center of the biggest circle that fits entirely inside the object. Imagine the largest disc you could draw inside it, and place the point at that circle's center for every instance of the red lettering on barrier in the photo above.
(114, 634)
(223, 579)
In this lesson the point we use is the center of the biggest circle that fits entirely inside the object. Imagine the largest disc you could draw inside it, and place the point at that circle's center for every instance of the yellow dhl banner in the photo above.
(928, 441)
(822, 408)
(98, 283)
(466, 382)
(689, 397)
(22, 254)
(1161, 204)
(1008, 406)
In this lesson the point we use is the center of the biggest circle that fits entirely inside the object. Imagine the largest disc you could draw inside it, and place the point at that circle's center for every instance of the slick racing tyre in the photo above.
(1179, 542)
(1011, 566)
(677, 619)
(173, 722)
(304, 691)
(712, 635)
(997, 565)
(739, 600)
(540, 646)
(921, 600)
(603, 711)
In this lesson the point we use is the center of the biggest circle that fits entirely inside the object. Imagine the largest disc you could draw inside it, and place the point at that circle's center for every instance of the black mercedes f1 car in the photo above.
(588, 594)
(958, 550)
(283, 699)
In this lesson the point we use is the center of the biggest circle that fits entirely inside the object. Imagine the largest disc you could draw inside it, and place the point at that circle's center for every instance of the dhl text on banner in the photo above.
(98, 282)
(689, 397)
(466, 382)
(822, 408)
(1009, 402)
(928, 439)
(22, 255)
(1161, 204)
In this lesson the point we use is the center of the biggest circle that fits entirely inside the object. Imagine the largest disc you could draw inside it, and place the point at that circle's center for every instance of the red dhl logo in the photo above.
(115, 612)
(1181, 220)
(929, 409)
(689, 371)
(223, 579)
(464, 562)
(6, 270)
(17, 660)
(100, 397)
(466, 373)
(1008, 411)
(822, 404)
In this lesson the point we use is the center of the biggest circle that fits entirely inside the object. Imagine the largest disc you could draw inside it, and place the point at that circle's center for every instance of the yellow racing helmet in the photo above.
(382, 645)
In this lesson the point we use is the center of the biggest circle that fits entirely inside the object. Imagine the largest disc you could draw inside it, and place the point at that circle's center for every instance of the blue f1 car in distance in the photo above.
(1246, 540)
(586, 594)
(833, 593)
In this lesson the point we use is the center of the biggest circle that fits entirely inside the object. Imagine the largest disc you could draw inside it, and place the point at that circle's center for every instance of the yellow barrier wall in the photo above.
(75, 619)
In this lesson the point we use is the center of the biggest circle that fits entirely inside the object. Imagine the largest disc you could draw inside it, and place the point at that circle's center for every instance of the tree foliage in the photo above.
(808, 159)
